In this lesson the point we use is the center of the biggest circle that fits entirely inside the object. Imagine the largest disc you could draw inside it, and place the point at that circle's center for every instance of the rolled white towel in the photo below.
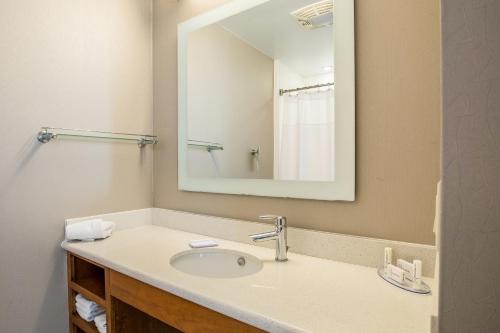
(100, 320)
(89, 230)
(100, 323)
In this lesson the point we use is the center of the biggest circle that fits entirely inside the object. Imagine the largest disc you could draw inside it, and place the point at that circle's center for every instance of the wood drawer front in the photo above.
(173, 310)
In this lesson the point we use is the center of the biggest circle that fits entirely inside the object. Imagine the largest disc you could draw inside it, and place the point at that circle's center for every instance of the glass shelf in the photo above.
(48, 134)
(209, 146)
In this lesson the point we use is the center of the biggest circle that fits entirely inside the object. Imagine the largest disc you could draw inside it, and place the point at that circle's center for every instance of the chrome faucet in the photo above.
(279, 235)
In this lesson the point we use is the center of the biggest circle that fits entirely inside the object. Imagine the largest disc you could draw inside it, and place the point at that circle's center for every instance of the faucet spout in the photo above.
(279, 234)
(264, 236)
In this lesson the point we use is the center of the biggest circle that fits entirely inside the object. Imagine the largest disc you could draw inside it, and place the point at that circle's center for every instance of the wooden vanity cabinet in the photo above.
(133, 306)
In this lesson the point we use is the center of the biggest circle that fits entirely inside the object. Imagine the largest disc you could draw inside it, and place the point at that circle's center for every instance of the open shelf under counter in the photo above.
(81, 288)
(88, 279)
(82, 325)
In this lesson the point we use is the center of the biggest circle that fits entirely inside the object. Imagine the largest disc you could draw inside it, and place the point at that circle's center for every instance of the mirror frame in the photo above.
(343, 188)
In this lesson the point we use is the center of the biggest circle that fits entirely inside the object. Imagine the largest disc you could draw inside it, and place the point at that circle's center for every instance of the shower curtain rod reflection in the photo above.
(284, 91)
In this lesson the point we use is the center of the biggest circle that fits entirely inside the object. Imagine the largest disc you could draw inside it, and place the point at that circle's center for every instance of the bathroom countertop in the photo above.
(304, 294)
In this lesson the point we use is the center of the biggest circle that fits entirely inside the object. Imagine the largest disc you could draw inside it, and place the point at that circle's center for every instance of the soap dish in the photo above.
(421, 288)
(202, 243)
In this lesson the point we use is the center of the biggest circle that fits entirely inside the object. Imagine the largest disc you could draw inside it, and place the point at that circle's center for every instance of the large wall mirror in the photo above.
(266, 99)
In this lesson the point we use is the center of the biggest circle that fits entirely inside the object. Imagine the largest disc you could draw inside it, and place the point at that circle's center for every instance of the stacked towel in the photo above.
(100, 323)
(86, 309)
(89, 230)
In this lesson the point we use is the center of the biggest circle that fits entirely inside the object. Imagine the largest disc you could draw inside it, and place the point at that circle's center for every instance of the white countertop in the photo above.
(305, 294)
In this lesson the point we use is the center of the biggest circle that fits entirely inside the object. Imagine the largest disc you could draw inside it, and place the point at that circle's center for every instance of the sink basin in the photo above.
(216, 263)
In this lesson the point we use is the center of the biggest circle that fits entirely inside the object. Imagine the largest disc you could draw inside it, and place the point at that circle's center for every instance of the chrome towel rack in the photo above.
(47, 134)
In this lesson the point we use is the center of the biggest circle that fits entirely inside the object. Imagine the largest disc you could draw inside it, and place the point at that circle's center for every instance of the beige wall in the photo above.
(470, 238)
(230, 101)
(398, 126)
(84, 64)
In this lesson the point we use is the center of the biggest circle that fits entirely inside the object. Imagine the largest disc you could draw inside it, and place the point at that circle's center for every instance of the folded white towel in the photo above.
(89, 316)
(85, 303)
(89, 313)
(87, 309)
(89, 230)
(86, 316)
(80, 299)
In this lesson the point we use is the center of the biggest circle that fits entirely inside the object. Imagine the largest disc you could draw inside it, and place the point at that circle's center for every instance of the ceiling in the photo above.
(271, 29)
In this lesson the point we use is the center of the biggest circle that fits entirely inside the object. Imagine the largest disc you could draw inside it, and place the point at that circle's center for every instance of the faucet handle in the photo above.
(279, 220)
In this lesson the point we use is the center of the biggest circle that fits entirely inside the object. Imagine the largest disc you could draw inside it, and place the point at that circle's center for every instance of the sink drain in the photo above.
(241, 261)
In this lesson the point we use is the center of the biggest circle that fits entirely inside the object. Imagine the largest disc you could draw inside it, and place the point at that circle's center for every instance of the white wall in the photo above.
(230, 101)
(83, 64)
(318, 79)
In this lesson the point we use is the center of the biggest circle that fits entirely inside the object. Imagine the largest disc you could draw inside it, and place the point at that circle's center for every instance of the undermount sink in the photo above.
(216, 263)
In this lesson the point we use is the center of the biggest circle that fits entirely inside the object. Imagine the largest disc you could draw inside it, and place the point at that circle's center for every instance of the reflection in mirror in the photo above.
(260, 94)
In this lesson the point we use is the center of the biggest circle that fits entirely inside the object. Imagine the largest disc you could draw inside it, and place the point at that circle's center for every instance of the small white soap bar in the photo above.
(196, 244)
(408, 268)
(395, 273)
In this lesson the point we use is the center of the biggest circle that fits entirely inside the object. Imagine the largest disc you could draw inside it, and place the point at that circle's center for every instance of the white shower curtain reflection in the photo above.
(306, 146)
